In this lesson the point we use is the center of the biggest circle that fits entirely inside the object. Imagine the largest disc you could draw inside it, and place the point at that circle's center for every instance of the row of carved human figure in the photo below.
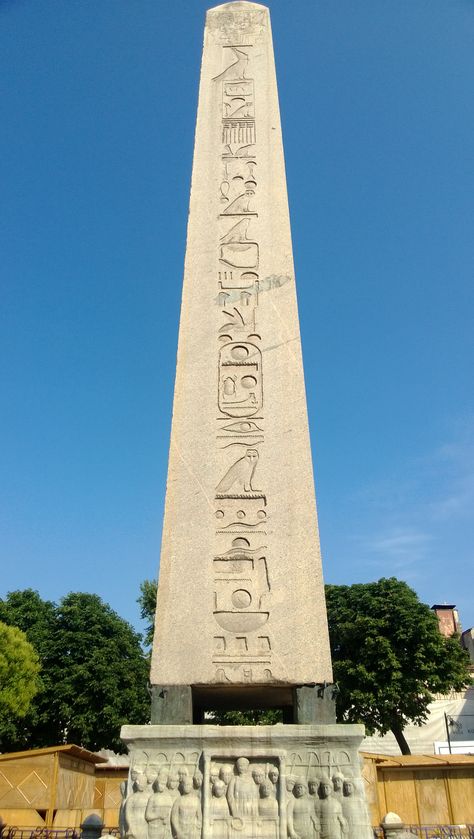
(323, 808)
(327, 808)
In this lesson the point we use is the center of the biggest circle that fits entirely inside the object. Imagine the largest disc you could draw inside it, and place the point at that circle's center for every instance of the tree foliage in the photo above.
(94, 672)
(147, 603)
(19, 679)
(263, 716)
(389, 657)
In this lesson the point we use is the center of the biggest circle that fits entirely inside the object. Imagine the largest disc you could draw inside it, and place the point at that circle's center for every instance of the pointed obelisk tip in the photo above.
(237, 6)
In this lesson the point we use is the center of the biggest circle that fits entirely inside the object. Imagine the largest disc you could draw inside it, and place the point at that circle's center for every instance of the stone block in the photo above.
(244, 782)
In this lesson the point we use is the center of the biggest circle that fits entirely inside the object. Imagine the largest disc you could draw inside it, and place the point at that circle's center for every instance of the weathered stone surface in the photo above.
(171, 704)
(241, 598)
(245, 782)
(315, 704)
(394, 828)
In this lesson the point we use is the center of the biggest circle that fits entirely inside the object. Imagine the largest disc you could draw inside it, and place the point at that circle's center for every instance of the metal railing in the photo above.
(49, 832)
(420, 831)
(39, 833)
(434, 831)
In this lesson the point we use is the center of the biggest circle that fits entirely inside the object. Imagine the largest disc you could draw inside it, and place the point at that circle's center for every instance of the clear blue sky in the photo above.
(97, 115)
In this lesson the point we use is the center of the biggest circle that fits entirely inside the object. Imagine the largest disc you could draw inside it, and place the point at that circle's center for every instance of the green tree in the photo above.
(147, 602)
(19, 679)
(37, 619)
(389, 657)
(94, 672)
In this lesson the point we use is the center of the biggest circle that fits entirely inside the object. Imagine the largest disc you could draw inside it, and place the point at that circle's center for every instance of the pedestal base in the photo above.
(244, 782)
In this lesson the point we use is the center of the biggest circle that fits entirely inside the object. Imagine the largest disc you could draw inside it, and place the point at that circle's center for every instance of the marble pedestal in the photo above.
(244, 782)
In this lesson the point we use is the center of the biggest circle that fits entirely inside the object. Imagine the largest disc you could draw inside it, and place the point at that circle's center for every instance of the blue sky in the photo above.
(97, 116)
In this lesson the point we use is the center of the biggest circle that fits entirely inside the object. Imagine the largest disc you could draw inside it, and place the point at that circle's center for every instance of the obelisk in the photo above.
(241, 618)
(240, 597)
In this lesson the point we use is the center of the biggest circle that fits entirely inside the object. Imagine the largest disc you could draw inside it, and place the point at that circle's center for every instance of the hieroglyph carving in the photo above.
(241, 586)
(237, 28)
(240, 379)
(241, 579)
(304, 795)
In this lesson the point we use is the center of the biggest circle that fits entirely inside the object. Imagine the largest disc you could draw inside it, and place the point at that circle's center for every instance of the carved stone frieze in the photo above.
(264, 782)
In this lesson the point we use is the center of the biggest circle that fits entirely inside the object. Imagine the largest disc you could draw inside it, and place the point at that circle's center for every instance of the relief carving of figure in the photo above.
(158, 810)
(197, 781)
(337, 782)
(313, 786)
(267, 804)
(239, 476)
(258, 775)
(226, 773)
(242, 794)
(219, 803)
(219, 810)
(290, 783)
(134, 809)
(186, 816)
(173, 785)
(273, 775)
(121, 818)
(355, 813)
(151, 774)
(302, 820)
(333, 823)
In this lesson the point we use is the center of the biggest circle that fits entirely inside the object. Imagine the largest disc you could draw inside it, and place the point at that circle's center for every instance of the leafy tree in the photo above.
(94, 672)
(19, 680)
(37, 619)
(389, 656)
(147, 602)
(268, 716)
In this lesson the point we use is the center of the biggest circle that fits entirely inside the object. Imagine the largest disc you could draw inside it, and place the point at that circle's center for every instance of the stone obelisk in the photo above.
(240, 598)
(241, 617)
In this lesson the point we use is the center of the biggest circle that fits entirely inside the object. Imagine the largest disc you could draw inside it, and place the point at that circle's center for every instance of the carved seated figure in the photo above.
(219, 803)
(186, 816)
(267, 804)
(302, 820)
(158, 809)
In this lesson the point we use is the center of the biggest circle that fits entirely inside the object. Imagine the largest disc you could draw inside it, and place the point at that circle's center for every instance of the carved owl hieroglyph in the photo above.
(239, 477)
